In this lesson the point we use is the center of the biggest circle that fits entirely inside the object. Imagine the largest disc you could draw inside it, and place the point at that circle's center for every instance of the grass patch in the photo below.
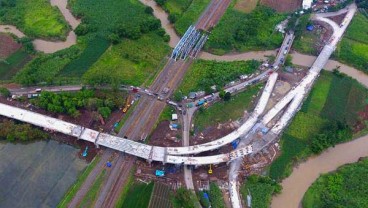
(91, 196)
(166, 113)
(80, 180)
(138, 196)
(125, 117)
(326, 118)
(126, 188)
(306, 42)
(11, 65)
(352, 50)
(345, 187)
(130, 62)
(191, 15)
(36, 18)
(261, 189)
(204, 74)
(244, 32)
(176, 7)
(224, 111)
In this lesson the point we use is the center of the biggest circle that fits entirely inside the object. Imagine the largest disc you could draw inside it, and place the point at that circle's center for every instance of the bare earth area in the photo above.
(283, 5)
(8, 46)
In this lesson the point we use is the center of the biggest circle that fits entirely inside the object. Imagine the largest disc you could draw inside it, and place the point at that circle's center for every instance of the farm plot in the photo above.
(11, 65)
(160, 196)
(37, 174)
(138, 196)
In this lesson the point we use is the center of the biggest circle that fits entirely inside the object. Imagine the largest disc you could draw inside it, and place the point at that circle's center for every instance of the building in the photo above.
(307, 4)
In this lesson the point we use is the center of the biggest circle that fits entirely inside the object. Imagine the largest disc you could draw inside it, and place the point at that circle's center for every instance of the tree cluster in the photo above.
(70, 103)
(13, 132)
(362, 4)
(184, 198)
(216, 197)
(332, 134)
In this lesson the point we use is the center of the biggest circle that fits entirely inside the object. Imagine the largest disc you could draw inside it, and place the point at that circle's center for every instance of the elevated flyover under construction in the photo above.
(150, 153)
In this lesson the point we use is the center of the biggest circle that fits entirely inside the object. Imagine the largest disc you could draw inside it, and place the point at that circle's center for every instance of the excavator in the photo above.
(127, 104)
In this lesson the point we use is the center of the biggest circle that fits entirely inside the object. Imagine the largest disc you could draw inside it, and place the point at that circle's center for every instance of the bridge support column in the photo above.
(96, 144)
(149, 160)
(82, 131)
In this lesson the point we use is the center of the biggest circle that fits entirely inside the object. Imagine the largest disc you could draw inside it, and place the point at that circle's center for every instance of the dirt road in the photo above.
(306, 173)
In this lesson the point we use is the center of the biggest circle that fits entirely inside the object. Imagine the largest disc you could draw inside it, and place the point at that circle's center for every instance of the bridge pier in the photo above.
(96, 140)
(82, 131)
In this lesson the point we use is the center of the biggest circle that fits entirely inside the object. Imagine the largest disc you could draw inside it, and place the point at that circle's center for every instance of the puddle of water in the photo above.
(306, 173)
(37, 174)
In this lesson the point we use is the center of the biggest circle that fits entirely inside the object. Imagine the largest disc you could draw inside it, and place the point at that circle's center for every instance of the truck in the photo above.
(200, 102)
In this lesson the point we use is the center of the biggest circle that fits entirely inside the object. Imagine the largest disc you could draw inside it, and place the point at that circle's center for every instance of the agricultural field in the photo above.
(204, 74)
(131, 62)
(139, 46)
(353, 48)
(12, 64)
(160, 196)
(261, 189)
(283, 6)
(328, 116)
(345, 187)
(246, 6)
(50, 168)
(306, 42)
(36, 18)
(240, 32)
(224, 111)
(138, 196)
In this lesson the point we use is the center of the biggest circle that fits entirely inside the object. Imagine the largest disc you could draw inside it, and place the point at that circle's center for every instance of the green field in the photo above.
(203, 74)
(45, 67)
(241, 32)
(345, 187)
(138, 48)
(191, 15)
(261, 189)
(11, 65)
(90, 198)
(327, 117)
(131, 62)
(306, 43)
(176, 7)
(221, 112)
(138, 196)
(184, 198)
(36, 18)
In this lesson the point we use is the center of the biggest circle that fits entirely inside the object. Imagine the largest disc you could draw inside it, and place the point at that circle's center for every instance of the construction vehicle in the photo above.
(210, 170)
(85, 152)
(127, 104)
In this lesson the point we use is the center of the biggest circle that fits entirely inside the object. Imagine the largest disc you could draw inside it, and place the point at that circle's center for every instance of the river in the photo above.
(307, 172)
(37, 174)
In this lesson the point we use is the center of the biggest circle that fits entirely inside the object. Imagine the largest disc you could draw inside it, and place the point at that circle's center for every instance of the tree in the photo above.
(148, 10)
(5, 92)
(222, 94)
(227, 96)
(104, 111)
(289, 60)
(178, 96)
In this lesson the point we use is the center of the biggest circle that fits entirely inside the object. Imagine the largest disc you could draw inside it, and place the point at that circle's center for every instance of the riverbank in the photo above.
(306, 173)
